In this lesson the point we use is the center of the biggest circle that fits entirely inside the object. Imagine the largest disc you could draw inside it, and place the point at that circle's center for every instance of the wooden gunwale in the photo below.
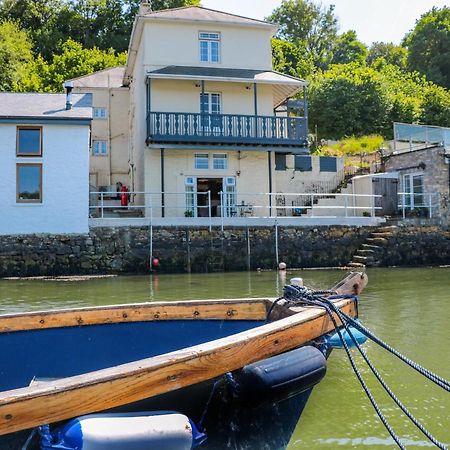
(108, 388)
(223, 309)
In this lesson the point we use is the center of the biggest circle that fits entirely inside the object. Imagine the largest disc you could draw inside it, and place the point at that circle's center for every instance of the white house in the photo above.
(200, 124)
(209, 112)
(44, 146)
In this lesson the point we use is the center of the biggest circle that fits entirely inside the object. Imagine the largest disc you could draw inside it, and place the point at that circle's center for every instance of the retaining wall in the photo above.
(127, 249)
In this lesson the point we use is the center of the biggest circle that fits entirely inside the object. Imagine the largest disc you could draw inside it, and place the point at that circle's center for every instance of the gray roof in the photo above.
(44, 106)
(262, 76)
(107, 78)
(283, 86)
(199, 14)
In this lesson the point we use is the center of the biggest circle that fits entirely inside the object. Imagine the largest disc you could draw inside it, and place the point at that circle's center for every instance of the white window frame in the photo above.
(201, 157)
(407, 187)
(209, 39)
(99, 112)
(100, 148)
(220, 161)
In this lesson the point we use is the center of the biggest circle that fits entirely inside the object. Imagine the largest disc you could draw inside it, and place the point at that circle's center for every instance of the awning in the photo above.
(284, 86)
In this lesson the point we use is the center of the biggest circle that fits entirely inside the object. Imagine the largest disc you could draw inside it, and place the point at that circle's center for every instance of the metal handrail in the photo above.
(226, 127)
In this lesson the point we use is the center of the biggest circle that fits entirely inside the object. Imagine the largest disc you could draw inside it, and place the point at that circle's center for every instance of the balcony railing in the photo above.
(226, 129)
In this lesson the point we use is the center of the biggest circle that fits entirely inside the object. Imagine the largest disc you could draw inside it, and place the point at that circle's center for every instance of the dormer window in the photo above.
(209, 47)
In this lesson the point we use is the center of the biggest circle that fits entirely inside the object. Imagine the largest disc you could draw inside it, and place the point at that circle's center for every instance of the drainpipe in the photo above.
(109, 131)
(255, 102)
(162, 184)
(269, 158)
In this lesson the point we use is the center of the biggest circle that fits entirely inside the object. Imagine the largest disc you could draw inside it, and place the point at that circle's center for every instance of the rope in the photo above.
(383, 383)
(208, 402)
(357, 373)
(441, 382)
(297, 295)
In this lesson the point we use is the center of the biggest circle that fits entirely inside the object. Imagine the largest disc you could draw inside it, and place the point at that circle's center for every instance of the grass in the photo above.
(353, 146)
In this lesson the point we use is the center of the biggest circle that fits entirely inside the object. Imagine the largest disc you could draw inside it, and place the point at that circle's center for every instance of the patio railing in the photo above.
(226, 128)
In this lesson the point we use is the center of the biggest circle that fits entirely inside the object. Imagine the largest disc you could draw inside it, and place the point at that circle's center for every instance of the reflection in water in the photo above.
(409, 308)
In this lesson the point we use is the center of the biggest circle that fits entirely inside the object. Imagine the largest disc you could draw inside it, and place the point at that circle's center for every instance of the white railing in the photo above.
(425, 204)
(230, 204)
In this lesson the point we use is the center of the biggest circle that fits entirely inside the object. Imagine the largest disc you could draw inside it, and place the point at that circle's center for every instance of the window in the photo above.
(100, 148)
(99, 113)
(209, 47)
(29, 183)
(412, 186)
(201, 161)
(327, 164)
(29, 141)
(280, 161)
(303, 163)
(220, 161)
(210, 108)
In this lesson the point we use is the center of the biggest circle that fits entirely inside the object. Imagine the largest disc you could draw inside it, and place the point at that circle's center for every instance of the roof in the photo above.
(194, 14)
(284, 86)
(34, 106)
(107, 78)
(200, 14)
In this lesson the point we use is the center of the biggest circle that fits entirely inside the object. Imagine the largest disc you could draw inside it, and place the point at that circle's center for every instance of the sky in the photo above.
(373, 20)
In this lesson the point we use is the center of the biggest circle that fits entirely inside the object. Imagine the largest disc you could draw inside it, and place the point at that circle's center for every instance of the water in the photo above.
(409, 308)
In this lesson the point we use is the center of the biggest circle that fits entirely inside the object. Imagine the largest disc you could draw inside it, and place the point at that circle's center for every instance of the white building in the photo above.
(44, 147)
(200, 124)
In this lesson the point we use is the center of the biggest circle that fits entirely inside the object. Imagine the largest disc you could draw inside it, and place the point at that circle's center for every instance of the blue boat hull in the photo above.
(62, 352)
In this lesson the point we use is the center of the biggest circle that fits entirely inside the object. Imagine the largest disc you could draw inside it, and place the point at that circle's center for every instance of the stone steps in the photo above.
(370, 247)
(372, 250)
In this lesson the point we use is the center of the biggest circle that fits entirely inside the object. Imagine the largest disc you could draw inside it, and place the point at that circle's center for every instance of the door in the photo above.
(208, 190)
(210, 109)
(412, 187)
(388, 189)
(229, 197)
(190, 197)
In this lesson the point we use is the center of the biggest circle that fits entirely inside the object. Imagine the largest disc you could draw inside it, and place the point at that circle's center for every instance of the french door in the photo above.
(412, 186)
(211, 109)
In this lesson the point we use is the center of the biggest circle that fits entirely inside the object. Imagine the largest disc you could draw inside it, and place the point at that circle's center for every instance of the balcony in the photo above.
(230, 129)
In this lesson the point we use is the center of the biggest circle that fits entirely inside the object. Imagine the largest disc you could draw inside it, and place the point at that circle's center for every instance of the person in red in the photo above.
(124, 196)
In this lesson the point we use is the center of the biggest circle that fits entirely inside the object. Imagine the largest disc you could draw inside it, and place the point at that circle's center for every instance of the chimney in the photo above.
(69, 86)
(145, 7)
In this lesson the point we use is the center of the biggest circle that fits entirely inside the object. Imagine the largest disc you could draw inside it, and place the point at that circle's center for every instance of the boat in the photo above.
(170, 375)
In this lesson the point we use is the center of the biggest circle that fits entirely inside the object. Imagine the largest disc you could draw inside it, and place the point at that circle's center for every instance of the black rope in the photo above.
(208, 402)
(441, 382)
(302, 295)
(360, 378)
(382, 382)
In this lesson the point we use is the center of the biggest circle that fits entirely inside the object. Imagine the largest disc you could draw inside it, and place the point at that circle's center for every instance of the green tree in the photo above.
(348, 100)
(391, 54)
(74, 61)
(349, 49)
(289, 59)
(15, 55)
(307, 25)
(436, 106)
(43, 19)
(429, 46)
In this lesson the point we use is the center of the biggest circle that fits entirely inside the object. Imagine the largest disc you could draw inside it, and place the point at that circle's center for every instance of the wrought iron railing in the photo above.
(226, 128)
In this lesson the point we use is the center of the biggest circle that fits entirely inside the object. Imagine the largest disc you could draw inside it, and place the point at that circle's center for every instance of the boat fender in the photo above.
(283, 375)
(160, 430)
(334, 340)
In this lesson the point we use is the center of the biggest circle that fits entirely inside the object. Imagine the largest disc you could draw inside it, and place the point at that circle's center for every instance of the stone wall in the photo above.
(429, 162)
(417, 246)
(127, 250)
